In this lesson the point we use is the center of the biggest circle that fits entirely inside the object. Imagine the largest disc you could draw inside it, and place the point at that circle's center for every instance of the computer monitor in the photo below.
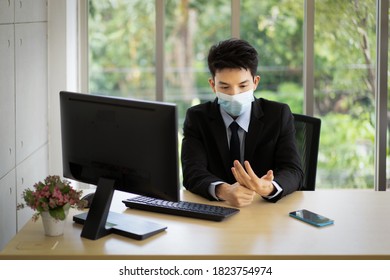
(119, 144)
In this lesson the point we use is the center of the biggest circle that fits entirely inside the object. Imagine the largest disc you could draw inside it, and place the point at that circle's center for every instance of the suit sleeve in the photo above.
(196, 177)
(288, 171)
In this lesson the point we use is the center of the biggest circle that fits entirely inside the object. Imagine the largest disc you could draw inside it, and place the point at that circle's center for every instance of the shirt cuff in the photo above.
(278, 191)
(212, 189)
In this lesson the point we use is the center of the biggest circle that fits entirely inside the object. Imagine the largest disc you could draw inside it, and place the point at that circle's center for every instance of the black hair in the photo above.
(232, 53)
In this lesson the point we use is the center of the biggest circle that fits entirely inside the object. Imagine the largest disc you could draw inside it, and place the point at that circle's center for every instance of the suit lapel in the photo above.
(219, 132)
(254, 131)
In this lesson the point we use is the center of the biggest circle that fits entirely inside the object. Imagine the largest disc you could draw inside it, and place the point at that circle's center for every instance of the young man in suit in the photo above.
(259, 156)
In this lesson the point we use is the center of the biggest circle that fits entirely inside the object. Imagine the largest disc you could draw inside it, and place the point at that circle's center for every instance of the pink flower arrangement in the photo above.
(54, 196)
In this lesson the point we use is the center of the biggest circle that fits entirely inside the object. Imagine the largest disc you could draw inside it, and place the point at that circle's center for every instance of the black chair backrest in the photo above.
(308, 139)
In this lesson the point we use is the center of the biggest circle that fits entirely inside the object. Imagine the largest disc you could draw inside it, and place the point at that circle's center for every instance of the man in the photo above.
(257, 155)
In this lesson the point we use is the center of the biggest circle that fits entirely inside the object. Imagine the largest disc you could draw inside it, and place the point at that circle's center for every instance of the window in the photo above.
(344, 91)
(275, 28)
(122, 48)
(122, 61)
(191, 27)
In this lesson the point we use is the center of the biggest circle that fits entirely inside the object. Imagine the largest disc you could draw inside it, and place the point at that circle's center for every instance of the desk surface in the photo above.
(260, 231)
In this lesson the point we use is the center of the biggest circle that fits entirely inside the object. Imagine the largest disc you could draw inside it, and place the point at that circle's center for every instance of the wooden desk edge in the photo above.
(195, 257)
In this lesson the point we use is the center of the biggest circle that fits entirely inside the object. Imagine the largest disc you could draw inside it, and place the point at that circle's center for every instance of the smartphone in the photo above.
(311, 218)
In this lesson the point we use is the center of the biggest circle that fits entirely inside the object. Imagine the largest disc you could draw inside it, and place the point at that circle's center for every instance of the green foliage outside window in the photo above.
(122, 62)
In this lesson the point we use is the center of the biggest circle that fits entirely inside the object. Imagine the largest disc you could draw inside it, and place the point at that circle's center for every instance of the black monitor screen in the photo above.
(133, 143)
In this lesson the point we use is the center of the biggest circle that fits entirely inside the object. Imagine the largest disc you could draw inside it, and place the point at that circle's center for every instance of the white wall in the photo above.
(39, 57)
(63, 69)
(24, 106)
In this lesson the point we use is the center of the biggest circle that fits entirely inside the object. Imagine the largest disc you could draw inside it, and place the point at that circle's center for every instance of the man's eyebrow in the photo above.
(224, 83)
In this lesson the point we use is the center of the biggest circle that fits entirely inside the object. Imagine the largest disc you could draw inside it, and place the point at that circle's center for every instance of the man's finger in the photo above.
(270, 175)
(241, 171)
(249, 170)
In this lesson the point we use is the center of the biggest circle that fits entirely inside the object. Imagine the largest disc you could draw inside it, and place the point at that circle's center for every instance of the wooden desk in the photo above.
(261, 231)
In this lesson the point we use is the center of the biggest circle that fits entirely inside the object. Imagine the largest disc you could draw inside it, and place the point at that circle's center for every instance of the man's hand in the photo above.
(247, 177)
(235, 195)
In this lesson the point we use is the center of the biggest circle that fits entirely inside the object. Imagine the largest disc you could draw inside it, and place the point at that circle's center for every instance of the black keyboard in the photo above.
(181, 208)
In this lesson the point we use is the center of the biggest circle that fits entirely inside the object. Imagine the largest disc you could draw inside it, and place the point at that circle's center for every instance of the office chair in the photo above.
(308, 140)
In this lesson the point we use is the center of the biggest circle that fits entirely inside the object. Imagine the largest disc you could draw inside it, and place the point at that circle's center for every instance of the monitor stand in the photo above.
(99, 221)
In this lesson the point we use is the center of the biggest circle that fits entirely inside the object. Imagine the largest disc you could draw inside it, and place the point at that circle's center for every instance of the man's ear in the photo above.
(256, 81)
(212, 84)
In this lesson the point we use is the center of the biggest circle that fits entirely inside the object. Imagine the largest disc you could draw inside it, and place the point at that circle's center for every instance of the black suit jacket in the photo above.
(269, 144)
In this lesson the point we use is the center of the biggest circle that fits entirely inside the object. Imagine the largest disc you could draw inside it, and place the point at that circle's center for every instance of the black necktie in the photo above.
(234, 142)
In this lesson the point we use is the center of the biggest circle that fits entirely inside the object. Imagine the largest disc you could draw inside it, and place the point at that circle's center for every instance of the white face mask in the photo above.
(235, 104)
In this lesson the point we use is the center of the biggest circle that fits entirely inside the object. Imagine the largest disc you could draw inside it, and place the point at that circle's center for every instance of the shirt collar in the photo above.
(242, 120)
